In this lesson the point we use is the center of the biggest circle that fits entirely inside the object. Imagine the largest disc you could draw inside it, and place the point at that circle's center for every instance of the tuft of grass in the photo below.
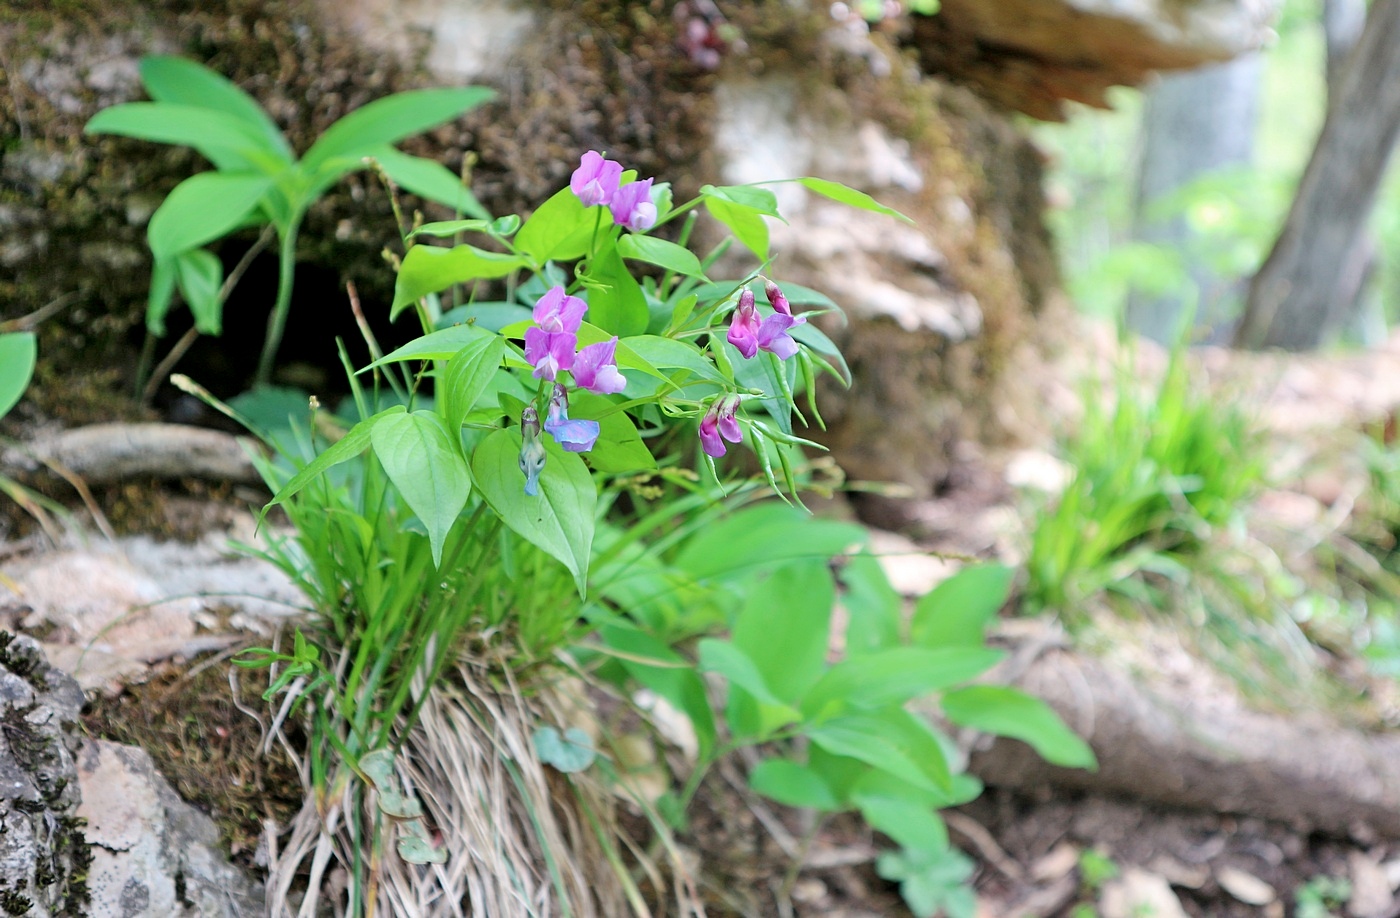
(1157, 476)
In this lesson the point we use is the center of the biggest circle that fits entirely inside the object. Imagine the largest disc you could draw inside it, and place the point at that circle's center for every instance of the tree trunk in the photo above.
(1194, 123)
(1293, 300)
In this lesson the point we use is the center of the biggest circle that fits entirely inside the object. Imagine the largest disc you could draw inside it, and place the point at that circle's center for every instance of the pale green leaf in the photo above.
(1007, 712)
(426, 467)
(203, 208)
(18, 353)
(391, 119)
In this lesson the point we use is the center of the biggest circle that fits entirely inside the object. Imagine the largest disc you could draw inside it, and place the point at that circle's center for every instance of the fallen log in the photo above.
(1197, 750)
(101, 453)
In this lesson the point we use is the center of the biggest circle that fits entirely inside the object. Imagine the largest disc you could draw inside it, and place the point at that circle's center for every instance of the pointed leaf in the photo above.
(1006, 712)
(221, 138)
(203, 208)
(660, 252)
(184, 82)
(426, 468)
(753, 197)
(430, 268)
(838, 192)
(355, 441)
(561, 228)
(560, 519)
(616, 303)
(469, 373)
(792, 784)
(744, 222)
(893, 676)
(201, 275)
(443, 344)
(429, 179)
(958, 610)
(724, 658)
(161, 295)
(892, 740)
(18, 353)
(391, 119)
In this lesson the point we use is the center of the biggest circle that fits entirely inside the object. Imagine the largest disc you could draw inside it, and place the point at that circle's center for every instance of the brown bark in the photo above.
(1200, 753)
(1292, 299)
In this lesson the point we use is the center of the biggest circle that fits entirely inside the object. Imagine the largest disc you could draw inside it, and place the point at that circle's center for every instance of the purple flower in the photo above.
(575, 436)
(596, 179)
(532, 453)
(596, 370)
(773, 335)
(780, 302)
(744, 327)
(558, 312)
(719, 425)
(549, 352)
(750, 334)
(631, 206)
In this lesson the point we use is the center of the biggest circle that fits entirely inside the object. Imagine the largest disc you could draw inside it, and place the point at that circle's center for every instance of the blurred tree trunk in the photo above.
(1295, 299)
(1194, 123)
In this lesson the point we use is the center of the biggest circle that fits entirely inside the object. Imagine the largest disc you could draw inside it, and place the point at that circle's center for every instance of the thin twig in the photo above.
(25, 323)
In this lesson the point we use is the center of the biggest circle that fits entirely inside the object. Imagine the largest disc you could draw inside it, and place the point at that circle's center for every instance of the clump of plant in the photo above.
(258, 180)
(1158, 476)
(561, 512)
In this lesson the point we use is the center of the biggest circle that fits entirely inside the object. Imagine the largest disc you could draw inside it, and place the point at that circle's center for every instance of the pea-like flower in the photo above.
(595, 368)
(556, 311)
(779, 301)
(596, 179)
(532, 453)
(549, 353)
(750, 334)
(719, 425)
(631, 206)
(576, 436)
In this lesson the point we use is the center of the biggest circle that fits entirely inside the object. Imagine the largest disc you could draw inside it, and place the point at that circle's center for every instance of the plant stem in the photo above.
(277, 322)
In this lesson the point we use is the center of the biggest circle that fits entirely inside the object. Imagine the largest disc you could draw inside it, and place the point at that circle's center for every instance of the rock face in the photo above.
(43, 855)
(153, 854)
(1030, 55)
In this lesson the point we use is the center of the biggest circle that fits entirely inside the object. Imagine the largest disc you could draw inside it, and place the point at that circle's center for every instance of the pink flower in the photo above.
(549, 352)
(719, 425)
(557, 312)
(596, 370)
(773, 335)
(576, 436)
(779, 302)
(744, 326)
(596, 179)
(631, 206)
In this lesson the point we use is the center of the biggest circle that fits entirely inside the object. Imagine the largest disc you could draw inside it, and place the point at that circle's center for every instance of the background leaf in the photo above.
(185, 82)
(201, 275)
(203, 208)
(958, 610)
(561, 228)
(429, 179)
(18, 353)
(391, 119)
(660, 252)
(838, 192)
(431, 268)
(1006, 712)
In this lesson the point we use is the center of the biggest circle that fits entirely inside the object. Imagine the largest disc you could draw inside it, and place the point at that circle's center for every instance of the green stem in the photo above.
(277, 322)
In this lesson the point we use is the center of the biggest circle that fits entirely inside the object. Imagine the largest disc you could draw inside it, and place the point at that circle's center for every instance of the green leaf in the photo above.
(891, 740)
(355, 441)
(418, 850)
(201, 275)
(203, 208)
(744, 222)
(838, 192)
(18, 353)
(221, 138)
(785, 626)
(909, 820)
(932, 882)
(616, 303)
(792, 784)
(958, 610)
(430, 268)
(619, 447)
(560, 519)
(722, 657)
(501, 226)
(426, 467)
(443, 344)
(429, 179)
(184, 82)
(874, 609)
(752, 197)
(161, 295)
(469, 373)
(1007, 712)
(750, 539)
(894, 676)
(570, 753)
(676, 681)
(391, 119)
(666, 353)
(660, 252)
(561, 228)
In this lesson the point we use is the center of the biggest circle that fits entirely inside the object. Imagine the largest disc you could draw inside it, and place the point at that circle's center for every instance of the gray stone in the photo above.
(153, 854)
(43, 856)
